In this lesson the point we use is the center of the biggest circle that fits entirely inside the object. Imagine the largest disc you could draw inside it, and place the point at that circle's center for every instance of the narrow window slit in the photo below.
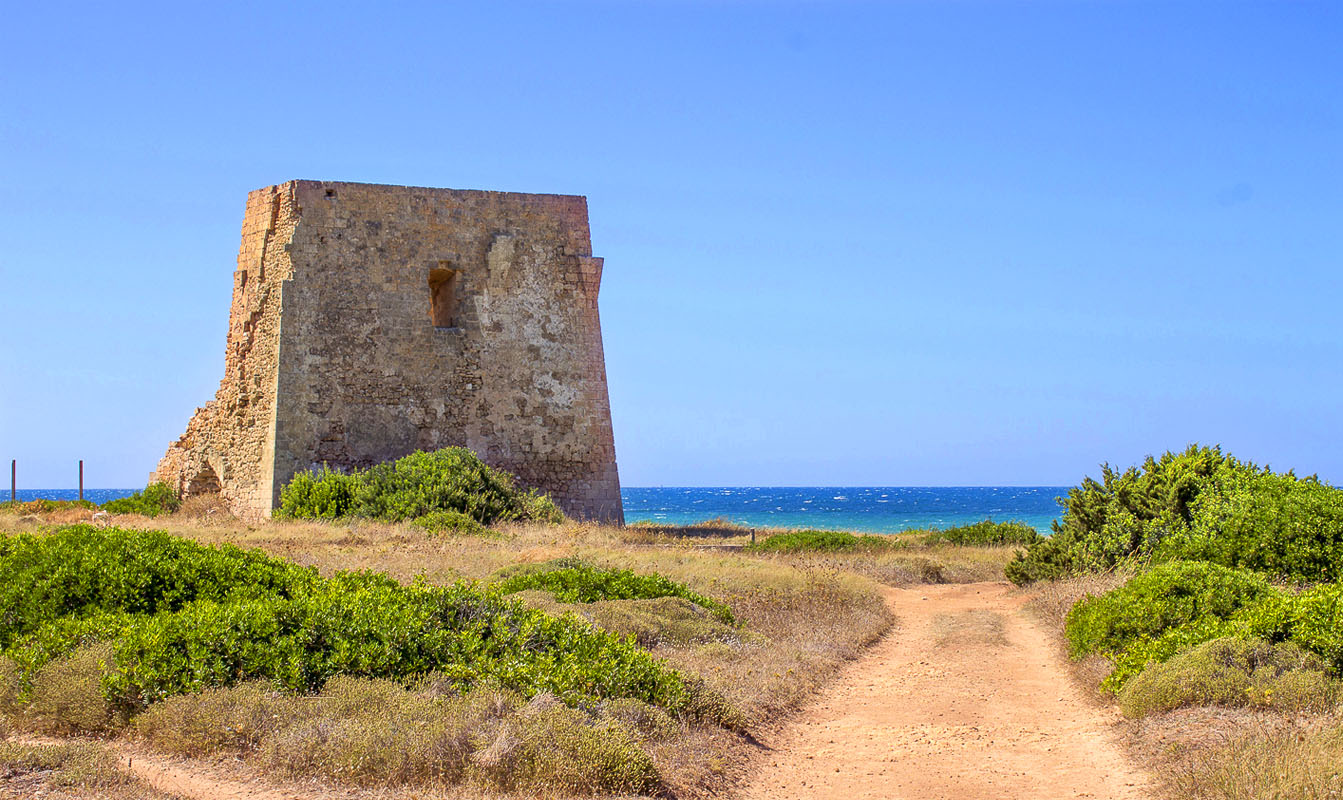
(443, 297)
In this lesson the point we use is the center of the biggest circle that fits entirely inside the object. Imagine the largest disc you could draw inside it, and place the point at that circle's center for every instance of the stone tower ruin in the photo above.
(372, 321)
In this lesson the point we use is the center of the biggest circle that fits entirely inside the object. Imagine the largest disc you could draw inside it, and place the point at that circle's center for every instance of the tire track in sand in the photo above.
(920, 716)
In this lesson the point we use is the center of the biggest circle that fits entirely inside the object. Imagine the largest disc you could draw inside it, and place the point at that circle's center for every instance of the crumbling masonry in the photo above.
(372, 321)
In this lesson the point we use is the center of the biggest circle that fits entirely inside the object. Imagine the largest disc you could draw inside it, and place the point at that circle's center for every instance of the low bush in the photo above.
(575, 581)
(66, 695)
(220, 719)
(986, 532)
(822, 541)
(1234, 672)
(80, 572)
(1150, 604)
(9, 686)
(1181, 604)
(556, 749)
(417, 486)
(154, 499)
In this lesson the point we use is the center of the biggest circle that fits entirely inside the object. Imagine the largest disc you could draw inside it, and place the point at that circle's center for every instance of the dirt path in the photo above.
(965, 700)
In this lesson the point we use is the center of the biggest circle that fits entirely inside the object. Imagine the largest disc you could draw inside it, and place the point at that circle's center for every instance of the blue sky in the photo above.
(908, 243)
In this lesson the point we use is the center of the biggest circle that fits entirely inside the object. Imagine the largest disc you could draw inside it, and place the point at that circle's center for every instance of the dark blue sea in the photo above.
(870, 509)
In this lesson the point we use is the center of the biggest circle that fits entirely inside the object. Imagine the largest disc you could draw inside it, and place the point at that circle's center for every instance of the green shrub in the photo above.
(82, 571)
(154, 499)
(574, 581)
(822, 541)
(1150, 604)
(1198, 505)
(419, 485)
(987, 532)
(1231, 671)
(1267, 522)
(62, 636)
(325, 494)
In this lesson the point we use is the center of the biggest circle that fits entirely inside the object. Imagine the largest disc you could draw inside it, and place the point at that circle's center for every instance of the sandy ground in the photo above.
(966, 699)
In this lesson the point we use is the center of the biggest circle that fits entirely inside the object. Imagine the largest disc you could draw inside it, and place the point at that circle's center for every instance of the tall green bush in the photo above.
(1200, 504)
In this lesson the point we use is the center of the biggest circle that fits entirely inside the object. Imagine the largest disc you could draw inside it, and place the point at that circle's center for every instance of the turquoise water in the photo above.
(852, 508)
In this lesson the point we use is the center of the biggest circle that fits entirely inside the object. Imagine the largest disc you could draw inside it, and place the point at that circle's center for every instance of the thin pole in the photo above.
(13, 479)
(81, 480)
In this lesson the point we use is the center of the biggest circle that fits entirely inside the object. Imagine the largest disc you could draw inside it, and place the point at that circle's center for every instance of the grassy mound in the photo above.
(181, 617)
(1198, 505)
(987, 533)
(575, 581)
(1232, 672)
(445, 489)
(822, 541)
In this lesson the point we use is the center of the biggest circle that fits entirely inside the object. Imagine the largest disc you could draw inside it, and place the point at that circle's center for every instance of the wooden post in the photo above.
(753, 536)
(81, 480)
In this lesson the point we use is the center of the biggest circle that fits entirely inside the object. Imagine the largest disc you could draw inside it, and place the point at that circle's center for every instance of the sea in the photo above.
(865, 509)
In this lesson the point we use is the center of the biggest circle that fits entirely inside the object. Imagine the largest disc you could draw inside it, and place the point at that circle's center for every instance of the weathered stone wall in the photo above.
(335, 354)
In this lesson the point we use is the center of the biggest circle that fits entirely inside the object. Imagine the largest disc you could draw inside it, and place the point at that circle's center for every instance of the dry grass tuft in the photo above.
(67, 694)
(205, 509)
(73, 770)
(970, 628)
(1296, 760)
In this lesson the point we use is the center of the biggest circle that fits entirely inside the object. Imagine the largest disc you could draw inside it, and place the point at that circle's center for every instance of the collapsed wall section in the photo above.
(228, 446)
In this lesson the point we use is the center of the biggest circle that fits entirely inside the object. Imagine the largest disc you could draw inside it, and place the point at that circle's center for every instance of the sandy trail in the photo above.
(966, 699)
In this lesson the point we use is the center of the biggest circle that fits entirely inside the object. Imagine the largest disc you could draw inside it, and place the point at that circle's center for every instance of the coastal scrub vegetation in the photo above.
(448, 490)
(1200, 505)
(181, 617)
(1198, 580)
(794, 625)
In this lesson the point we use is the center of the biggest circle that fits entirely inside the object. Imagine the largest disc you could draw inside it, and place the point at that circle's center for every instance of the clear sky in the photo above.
(906, 243)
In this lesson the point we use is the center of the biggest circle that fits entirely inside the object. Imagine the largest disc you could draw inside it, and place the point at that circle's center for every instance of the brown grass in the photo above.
(67, 695)
(912, 564)
(71, 770)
